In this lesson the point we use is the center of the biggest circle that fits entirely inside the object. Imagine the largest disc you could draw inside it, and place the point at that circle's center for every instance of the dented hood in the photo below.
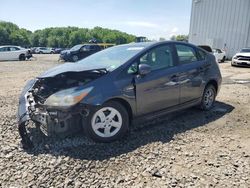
(69, 67)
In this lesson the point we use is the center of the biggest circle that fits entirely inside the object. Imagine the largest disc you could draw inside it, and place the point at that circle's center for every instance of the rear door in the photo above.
(4, 53)
(159, 89)
(192, 68)
(14, 53)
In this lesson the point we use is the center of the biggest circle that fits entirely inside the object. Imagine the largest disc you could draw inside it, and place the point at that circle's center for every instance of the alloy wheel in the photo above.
(106, 122)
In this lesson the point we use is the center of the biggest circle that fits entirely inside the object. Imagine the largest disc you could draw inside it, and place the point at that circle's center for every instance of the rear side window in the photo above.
(4, 49)
(94, 47)
(201, 55)
(186, 54)
(13, 49)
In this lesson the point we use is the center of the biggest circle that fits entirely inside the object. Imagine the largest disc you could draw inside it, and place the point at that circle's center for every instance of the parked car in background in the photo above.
(33, 50)
(44, 50)
(14, 53)
(57, 50)
(79, 52)
(103, 93)
(207, 48)
(242, 58)
(219, 54)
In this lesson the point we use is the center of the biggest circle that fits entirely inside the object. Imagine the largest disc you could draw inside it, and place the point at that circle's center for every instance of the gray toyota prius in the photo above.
(102, 94)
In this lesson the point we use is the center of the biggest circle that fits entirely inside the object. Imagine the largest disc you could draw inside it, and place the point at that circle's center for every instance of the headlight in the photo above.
(67, 97)
(235, 57)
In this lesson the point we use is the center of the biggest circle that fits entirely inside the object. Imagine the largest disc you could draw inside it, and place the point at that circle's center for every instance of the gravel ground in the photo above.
(188, 148)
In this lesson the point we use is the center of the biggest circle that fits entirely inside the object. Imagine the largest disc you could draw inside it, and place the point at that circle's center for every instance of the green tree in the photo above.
(180, 38)
(59, 36)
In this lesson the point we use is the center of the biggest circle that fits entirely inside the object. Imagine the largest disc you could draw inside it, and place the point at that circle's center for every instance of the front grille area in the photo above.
(244, 58)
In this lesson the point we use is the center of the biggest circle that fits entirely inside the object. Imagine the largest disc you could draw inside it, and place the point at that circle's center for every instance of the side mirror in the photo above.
(144, 69)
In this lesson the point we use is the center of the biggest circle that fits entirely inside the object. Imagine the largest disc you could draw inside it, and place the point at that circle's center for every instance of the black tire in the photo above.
(40, 52)
(75, 58)
(22, 57)
(223, 59)
(207, 104)
(88, 128)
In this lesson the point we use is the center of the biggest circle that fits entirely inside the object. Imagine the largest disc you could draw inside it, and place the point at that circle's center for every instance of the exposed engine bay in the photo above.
(44, 87)
(61, 121)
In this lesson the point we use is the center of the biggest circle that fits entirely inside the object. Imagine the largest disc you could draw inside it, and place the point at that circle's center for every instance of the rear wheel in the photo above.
(22, 57)
(108, 123)
(208, 97)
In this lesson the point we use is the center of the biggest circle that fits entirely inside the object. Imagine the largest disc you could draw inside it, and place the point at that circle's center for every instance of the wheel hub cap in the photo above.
(106, 122)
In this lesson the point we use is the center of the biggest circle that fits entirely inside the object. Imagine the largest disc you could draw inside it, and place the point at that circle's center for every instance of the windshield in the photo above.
(76, 47)
(245, 50)
(111, 58)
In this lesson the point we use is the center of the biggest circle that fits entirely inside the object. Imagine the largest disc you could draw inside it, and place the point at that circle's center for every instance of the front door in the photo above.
(158, 89)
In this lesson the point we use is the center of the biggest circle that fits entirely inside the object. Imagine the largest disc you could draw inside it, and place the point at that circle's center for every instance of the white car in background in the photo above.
(13, 53)
(219, 54)
(44, 50)
(242, 58)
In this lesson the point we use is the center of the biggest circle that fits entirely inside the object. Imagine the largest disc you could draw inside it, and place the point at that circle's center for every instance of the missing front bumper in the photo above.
(58, 122)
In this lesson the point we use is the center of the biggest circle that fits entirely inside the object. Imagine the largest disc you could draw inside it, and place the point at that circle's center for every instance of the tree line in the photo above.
(64, 37)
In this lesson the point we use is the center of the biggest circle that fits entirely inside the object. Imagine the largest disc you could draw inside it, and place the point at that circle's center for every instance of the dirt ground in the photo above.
(188, 148)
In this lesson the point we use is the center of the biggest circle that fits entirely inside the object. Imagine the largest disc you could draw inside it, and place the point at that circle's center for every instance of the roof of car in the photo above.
(148, 44)
(9, 46)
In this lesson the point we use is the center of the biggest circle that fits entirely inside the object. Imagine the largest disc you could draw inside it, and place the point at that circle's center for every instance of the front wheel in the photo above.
(208, 97)
(108, 123)
(223, 59)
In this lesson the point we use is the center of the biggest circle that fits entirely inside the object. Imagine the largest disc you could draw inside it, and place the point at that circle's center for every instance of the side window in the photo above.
(4, 49)
(158, 58)
(202, 55)
(85, 48)
(93, 48)
(186, 54)
(13, 49)
(133, 68)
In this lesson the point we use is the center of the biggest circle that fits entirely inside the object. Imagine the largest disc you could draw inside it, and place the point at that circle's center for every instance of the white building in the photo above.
(223, 24)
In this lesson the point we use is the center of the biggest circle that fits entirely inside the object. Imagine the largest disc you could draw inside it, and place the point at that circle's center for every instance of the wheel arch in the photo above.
(124, 103)
(21, 55)
(213, 83)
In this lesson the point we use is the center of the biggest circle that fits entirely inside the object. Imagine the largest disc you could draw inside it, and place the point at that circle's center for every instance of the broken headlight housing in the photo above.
(67, 97)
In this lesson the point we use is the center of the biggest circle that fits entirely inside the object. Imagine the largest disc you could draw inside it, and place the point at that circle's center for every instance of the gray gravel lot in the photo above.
(188, 148)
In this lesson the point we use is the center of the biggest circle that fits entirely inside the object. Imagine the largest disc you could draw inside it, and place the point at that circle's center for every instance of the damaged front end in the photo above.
(54, 103)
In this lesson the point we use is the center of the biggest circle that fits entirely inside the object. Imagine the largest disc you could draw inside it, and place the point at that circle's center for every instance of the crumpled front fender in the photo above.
(23, 115)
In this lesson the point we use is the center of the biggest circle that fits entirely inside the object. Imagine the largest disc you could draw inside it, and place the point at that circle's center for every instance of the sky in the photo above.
(150, 18)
